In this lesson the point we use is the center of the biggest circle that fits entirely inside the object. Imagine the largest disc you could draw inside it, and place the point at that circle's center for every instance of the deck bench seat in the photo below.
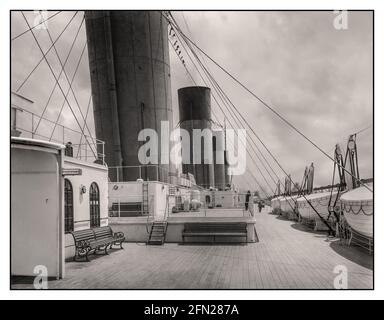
(93, 240)
(214, 230)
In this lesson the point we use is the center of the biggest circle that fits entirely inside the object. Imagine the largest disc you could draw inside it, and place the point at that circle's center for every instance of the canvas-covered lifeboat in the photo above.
(275, 204)
(320, 202)
(288, 204)
(357, 206)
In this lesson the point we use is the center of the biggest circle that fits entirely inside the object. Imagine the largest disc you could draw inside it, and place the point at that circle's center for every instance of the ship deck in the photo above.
(286, 256)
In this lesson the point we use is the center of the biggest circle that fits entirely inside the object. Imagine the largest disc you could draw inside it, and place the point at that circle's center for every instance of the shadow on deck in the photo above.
(355, 254)
(351, 253)
(304, 228)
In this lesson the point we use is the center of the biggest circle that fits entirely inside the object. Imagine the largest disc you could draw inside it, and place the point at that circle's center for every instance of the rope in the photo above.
(259, 99)
(216, 118)
(211, 77)
(70, 85)
(350, 209)
(362, 130)
(45, 54)
(257, 182)
(339, 188)
(220, 108)
(221, 93)
(219, 105)
(86, 116)
(53, 73)
(29, 29)
(274, 158)
(55, 85)
(67, 93)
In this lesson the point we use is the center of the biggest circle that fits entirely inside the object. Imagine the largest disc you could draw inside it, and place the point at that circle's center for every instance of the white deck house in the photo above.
(55, 190)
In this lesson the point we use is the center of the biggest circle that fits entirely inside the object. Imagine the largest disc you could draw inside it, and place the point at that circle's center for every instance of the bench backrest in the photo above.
(215, 227)
(103, 232)
(83, 235)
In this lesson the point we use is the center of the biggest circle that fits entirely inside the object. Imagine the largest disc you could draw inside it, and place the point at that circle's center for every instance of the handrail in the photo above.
(84, 148)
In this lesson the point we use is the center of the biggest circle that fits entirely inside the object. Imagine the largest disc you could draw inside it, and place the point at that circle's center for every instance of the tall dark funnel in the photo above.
(131, 90)
(195, 113)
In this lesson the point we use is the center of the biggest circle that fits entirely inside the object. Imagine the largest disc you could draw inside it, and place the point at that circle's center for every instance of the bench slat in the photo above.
(239, 234)
(199, 229)
(92, 240)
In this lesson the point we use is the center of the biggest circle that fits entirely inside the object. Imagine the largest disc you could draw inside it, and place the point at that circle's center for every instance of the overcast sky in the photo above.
(317, 77)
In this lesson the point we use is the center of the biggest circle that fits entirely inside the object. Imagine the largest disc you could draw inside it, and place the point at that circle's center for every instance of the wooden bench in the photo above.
(214, 230)
(94, 240)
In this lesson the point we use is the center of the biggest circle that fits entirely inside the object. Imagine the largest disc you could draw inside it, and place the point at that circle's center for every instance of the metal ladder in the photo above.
(158, 232)
(159, 228)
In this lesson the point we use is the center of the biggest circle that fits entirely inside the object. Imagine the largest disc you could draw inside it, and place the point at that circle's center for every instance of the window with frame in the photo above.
(68, 206)
(94, 205)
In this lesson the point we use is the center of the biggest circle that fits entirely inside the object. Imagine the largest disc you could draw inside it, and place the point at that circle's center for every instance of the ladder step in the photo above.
(155, 242)
(158, 232)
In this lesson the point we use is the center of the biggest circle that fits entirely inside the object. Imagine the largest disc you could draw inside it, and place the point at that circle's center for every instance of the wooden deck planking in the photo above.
(288, 256)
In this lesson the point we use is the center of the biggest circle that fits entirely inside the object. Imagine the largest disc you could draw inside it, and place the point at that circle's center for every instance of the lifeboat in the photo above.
(357, 206)
(288, 203)
(275, 204)
(288, 207)
(320, 202)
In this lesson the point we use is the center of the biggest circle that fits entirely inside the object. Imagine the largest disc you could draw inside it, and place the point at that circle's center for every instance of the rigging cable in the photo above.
(238, 122)
(24, 32)
(86, 116)
(53, 73)
(260, 100)
(362, 130)
(67, 93)
(273, 157)
(55, 85)
(223, 113)
(45, 54)
(235, 117)
(70, 83)
(217, 120)
(206, 71)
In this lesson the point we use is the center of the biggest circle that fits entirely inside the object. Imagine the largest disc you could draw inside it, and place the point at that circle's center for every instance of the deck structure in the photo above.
(286, 256)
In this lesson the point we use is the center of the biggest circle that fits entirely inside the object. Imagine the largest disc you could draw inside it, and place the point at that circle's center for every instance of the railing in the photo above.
(181, 203)
(144, 172)
(28, 123)
(150, 172)
(129, 206)
(207, 205)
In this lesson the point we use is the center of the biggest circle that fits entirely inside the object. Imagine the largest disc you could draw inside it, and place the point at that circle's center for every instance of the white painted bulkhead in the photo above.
(160, 199)
(37, 204)
(36, 208)
(91, 173)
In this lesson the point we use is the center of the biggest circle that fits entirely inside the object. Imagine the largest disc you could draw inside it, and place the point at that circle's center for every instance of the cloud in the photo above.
(317, 77)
